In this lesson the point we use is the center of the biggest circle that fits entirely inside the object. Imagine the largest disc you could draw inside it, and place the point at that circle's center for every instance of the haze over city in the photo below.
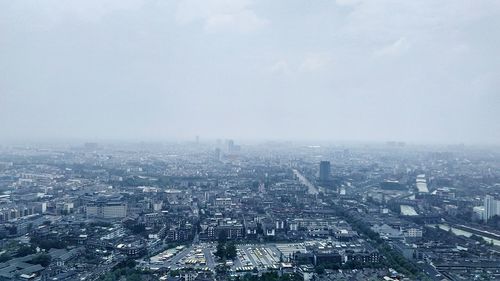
(249, 140)
(414, 71)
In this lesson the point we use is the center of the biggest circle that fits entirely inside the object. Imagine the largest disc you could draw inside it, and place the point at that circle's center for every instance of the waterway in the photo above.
(461, 232)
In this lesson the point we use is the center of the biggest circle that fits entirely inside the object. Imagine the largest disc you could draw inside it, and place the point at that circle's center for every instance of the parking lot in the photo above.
(249, 256)
(289, 249)
(256, 256)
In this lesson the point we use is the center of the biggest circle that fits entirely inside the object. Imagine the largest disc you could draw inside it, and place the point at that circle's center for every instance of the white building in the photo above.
(107, 210)
(412, 232)
(479, 212)
(491, 207)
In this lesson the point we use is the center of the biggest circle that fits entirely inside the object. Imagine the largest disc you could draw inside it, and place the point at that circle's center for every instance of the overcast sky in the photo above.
(366, 70)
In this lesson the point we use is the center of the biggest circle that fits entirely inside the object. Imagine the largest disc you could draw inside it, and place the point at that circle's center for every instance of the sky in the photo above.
(421, 71)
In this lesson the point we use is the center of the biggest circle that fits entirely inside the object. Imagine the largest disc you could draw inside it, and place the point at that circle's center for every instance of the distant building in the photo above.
(106, 210)
(134, 249)
(217, 154)
(223, 202)
(479, 213)
(324, 171)
(392, 185)
(230, 146)
(180, 233)
(337, 254)
(491, 207)
(413, 232)
(91, 145)
(227, 228)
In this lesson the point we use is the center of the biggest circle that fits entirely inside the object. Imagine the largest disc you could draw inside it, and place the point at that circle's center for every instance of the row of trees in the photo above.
(270, 276)
(49, 243)
(41, 259)
(128, 274)
(16, 250)
(392, 258)
(126, 271)
(320, 269)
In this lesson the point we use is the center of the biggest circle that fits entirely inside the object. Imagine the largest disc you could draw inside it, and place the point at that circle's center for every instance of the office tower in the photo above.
(324, 171)
(491, 207)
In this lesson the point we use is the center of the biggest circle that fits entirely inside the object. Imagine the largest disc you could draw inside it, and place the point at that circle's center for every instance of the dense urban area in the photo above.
(274, 211)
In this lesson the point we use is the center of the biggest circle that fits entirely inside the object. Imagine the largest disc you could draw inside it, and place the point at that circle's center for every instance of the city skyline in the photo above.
(249, 140)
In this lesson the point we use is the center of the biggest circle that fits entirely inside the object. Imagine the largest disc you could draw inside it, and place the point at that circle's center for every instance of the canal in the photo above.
(461, 232)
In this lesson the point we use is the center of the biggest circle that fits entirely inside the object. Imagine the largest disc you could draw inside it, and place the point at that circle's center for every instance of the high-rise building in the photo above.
(324, 171)
(491, 207)
(231, 147)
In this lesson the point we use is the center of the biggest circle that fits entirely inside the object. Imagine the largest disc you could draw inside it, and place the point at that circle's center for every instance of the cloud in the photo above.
(280, 67)
(396, 48)
(88, 10)
(245, 20)
(460, 49)
(311, 62)
(220, 15)
(314, 62)
(347, 2)
(150, 62)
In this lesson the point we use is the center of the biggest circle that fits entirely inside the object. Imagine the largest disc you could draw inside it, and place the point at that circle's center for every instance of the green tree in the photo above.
(41, 259)
(221, 251)
(231, 251)
(25, 250)
(134, 277)
(5, 257)
(320, 269)
(222, 236)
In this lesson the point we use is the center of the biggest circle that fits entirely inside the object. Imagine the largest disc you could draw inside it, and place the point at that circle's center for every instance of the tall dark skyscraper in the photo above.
(324, 171)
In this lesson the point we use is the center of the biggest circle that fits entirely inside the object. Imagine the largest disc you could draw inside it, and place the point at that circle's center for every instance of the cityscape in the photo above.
(249, 140)
(221, 210)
